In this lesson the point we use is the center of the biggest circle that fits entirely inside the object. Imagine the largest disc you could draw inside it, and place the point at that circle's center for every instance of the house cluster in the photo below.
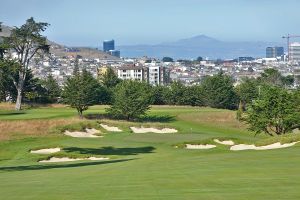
(156, 72)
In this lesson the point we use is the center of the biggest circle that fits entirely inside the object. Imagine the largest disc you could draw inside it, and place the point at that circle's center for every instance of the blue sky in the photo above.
(89, 22)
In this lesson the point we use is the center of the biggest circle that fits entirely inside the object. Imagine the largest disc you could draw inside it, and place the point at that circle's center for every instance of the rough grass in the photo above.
(7, 106)
(283, 139)
(25, 128)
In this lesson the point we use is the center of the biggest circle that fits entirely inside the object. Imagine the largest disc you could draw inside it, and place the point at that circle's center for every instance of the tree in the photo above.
(275, 112)
(4, 80)
(1, 43)
(27, 42)
(52, 89)
(175, 94)
(274, 77)
(167, 59)
(193, 96)
(76, 66)
(81, 91)
(219, 92)
(131, 99)
(247, 91)
(109, 79)
(160, 94)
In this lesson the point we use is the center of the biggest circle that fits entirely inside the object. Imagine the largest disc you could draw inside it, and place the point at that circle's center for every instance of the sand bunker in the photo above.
(110, 128)
(200, 146)
(276, 145)
(153, 130)
(46, 151)
(89, 133)
(67, 159)
(224, 142)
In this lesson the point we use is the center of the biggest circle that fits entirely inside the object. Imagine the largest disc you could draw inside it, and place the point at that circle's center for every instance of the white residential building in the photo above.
(131, 72)
(153, 74)
(295, 51)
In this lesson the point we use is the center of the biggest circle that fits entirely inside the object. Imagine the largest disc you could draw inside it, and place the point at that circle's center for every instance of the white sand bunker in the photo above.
(111, 128)
(153, 130)
(200, 146)
(46, 151)
(276, 145)
(89, 133)
(67, 159)
(224, 142)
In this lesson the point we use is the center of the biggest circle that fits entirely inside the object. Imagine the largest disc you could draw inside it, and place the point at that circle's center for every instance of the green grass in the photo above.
(147, 166)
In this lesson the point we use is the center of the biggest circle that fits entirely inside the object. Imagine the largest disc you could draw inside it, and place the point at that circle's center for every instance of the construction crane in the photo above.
(288, 42)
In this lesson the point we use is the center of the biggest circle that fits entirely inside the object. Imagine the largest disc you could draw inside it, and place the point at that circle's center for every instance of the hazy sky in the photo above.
(89, 22)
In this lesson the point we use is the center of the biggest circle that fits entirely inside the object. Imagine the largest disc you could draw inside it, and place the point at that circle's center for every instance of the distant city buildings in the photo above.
(109, 47)
(154, 75)
(274, 52)
(295, 51)
(115, 53)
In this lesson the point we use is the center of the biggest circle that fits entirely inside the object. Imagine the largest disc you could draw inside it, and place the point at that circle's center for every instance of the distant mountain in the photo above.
(200, 45)
(62, 50)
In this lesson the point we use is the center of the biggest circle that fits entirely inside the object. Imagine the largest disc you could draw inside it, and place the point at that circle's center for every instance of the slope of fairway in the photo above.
(147, 166)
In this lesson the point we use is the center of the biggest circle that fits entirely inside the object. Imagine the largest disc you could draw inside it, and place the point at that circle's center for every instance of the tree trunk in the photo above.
(20, 91)
(79, 110)
(19, 99)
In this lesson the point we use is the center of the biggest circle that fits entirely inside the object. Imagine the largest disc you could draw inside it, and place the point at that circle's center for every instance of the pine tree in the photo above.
(81, 91)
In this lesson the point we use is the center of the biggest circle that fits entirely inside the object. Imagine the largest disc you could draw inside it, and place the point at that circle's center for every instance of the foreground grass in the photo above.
(146, 166)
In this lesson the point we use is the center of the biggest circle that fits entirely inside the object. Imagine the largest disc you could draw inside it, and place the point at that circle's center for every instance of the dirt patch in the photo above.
(111, 128)
(89, 133)
(46, 151)
(153, 130)
(276, 145)
(199, 146)
(67, 159)
(224, 142)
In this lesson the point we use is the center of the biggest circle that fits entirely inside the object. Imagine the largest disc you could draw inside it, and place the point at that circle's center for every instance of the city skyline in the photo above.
(77, 23)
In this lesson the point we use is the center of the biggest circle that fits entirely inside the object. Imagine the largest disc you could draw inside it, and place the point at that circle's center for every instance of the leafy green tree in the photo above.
(274, 77)
(176, 92)
(275, 112)
(160, 93)
(167, 59)
(2, 49)
(193, 96)
(9, 74)
(219, 92)
(81, 91)
(27, 42)
(288, 80)
(4, 80)
(110, 79)
(52, 89)
(131, 99)
(76, 66)
(247, 91)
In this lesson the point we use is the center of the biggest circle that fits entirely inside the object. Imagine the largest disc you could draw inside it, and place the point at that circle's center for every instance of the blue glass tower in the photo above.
(108, 45)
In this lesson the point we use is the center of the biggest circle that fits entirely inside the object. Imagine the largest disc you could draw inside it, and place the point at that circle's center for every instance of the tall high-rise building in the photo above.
(295, 51)
(108, 45)
(274, 52)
